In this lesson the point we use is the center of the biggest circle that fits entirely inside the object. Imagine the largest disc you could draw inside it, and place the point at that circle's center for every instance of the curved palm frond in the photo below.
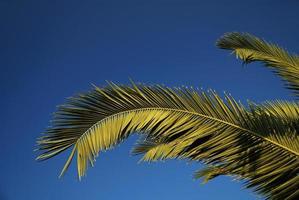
(217, 132)
(250, 48)
(255, 163)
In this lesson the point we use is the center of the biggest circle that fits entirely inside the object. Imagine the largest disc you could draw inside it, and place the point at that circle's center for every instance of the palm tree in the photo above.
(257, 143)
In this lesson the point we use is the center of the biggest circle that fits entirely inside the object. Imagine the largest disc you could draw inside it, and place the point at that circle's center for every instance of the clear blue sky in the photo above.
(51, 50)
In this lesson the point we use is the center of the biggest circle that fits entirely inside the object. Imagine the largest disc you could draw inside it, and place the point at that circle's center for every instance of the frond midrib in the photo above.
(192, 113)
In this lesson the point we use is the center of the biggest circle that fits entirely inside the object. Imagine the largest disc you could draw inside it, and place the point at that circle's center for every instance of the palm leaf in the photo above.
(207, 128)
(250, 48)
(262, 172)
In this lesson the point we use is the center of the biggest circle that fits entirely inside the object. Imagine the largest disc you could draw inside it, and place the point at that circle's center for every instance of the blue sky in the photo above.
(51, 50)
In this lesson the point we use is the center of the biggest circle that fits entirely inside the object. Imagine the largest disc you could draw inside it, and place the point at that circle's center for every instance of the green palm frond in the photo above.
(280, 123)
(250, 48)
(200, 124)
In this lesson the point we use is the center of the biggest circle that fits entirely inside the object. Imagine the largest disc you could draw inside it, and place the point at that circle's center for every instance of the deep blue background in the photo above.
(50, 50)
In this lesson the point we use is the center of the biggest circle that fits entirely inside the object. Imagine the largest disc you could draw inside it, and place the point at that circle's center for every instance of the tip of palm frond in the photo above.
(234, 41)
(231, 40)
(250, 48)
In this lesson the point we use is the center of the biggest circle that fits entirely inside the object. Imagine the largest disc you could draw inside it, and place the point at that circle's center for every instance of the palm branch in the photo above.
(278, 118)
(259, 144)
(250, 48)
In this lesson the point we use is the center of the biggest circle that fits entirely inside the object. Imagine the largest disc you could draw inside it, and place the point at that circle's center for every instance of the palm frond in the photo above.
(250, 48)
(200, 124)
(257, 162)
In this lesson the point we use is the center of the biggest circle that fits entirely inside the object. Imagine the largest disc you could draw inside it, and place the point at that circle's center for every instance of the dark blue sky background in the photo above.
(51, 50)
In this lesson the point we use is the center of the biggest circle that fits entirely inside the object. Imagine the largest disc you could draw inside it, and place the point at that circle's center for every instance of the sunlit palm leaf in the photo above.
(206, 127)
(250, 48)
(256, 162)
